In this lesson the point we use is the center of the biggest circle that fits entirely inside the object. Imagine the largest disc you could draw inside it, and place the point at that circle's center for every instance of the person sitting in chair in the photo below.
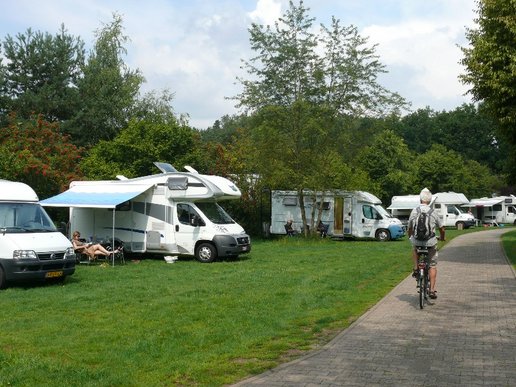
(289, 229)
(322, 229)
(90, 249)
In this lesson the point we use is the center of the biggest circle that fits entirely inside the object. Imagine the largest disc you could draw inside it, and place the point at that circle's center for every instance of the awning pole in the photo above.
(113, 237)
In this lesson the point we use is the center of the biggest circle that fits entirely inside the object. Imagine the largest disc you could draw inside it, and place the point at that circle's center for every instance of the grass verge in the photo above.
(152, 323)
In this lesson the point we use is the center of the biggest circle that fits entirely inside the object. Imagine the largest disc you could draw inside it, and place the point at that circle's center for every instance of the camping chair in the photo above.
(80, 256)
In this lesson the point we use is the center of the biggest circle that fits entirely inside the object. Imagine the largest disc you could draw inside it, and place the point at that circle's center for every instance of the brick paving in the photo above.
(467, 338)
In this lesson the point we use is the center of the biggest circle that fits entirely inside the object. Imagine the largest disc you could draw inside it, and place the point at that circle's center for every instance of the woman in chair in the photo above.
(90, 249)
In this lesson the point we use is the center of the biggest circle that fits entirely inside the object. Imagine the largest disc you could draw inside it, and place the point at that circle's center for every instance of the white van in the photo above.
(446, 204)
(356, 214)
(176, 213)
(31, 248)
(496, 210)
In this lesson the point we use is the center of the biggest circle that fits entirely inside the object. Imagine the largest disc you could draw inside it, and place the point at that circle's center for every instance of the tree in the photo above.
(108, 89)
(442, 170)
(298, 88)
(156, 137)
(389, 164)
(490, 63)
(41, 74)
(35, 152)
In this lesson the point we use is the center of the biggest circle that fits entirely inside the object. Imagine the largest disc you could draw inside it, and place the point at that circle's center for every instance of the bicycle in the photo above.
(423, 278)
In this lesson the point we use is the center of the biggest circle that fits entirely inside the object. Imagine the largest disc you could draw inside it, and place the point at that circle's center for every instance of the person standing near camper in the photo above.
(422, 224)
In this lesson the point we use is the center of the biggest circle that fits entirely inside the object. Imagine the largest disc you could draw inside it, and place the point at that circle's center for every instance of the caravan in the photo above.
(445, 204)
(355, 214)
(496, 210)
(31, 248)
(173, 212)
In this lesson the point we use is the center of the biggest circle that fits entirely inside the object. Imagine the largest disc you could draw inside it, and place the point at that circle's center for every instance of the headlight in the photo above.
(24, 254)
(70, 253)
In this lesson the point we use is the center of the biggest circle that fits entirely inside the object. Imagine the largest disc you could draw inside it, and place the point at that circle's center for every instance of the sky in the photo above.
(194, 48)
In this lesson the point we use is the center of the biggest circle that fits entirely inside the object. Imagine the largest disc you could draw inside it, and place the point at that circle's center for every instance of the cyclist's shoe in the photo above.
(415, 273)
(433, 295)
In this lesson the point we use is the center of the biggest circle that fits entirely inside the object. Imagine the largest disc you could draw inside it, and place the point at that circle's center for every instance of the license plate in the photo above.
(54, 274)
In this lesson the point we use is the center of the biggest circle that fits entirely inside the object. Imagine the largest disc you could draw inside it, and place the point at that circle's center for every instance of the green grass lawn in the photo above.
(152, 323)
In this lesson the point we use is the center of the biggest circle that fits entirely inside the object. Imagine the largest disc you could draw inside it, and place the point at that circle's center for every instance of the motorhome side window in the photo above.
(215, 213)
(453, 210)
(24, 217)
(186, 214)
(497, 207)
(370, 212)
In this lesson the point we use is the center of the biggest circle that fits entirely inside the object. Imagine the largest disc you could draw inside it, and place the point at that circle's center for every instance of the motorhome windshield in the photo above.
(24, 217)
(382, 211)
(215, 213)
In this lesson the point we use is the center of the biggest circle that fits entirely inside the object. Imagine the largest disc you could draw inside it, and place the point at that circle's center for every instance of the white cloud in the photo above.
(424, 53)
(267, 12)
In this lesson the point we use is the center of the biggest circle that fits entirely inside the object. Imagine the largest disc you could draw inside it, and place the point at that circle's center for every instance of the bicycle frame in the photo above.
(423, 279)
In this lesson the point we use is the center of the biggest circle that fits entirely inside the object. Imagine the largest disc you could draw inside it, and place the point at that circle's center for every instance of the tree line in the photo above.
(313, 116)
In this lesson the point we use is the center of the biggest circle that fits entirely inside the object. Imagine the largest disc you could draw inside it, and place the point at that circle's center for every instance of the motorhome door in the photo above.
(338, 219)
(187, 233)
(348, 215)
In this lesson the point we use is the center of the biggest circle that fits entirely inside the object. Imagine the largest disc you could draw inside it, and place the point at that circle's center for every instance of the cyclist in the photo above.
(434, 221)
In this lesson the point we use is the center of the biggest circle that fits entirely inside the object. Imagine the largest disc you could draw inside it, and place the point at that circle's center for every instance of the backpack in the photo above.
(422, 228)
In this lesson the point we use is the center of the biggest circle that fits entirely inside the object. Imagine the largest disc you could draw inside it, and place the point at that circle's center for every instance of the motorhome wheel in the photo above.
(383, 235)
(206, 253)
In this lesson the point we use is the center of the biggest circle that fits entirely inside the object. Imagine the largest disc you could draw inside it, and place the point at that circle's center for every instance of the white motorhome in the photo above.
(171, 212)
(355, 214)
(31, 248)
(496, 210)
(446, 204)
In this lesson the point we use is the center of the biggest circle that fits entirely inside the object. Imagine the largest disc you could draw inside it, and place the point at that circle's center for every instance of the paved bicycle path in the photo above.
(468, 337)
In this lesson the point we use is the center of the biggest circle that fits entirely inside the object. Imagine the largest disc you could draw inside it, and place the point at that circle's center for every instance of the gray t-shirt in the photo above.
(435, 225)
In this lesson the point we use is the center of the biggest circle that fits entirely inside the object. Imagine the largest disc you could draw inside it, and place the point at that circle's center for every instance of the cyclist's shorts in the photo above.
(432, 255)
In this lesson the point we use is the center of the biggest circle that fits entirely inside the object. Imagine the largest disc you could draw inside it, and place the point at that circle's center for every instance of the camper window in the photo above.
(497, 207)
(290, 201)
(215, 213)
(325, 205)
(186, 214)
(24, 217)
(370, 213)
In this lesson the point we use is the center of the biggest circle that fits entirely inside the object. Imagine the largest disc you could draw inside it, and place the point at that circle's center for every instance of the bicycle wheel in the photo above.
(421, 288)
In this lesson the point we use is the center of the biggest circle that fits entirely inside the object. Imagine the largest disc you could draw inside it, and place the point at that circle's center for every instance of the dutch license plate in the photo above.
(54, 274)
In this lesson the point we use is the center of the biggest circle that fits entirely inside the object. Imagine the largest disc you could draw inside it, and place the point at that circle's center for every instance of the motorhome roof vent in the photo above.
(165, 167)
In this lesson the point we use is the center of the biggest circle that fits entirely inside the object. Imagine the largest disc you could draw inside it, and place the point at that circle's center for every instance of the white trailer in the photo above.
(446, 204)
(31, 248)
(355, 214)
(496, 210)
(172, 212)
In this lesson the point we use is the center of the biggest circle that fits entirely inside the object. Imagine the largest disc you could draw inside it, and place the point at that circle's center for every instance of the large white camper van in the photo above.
(496, 210)
(31, 248)
(355, 214)
(446, 204)
(172, 212)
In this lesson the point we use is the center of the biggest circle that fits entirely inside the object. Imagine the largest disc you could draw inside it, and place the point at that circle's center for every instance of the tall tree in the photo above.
(108, 88)
(299, 87)
(390, 165)
(155, 134)
(40, 75)
(490, 62)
